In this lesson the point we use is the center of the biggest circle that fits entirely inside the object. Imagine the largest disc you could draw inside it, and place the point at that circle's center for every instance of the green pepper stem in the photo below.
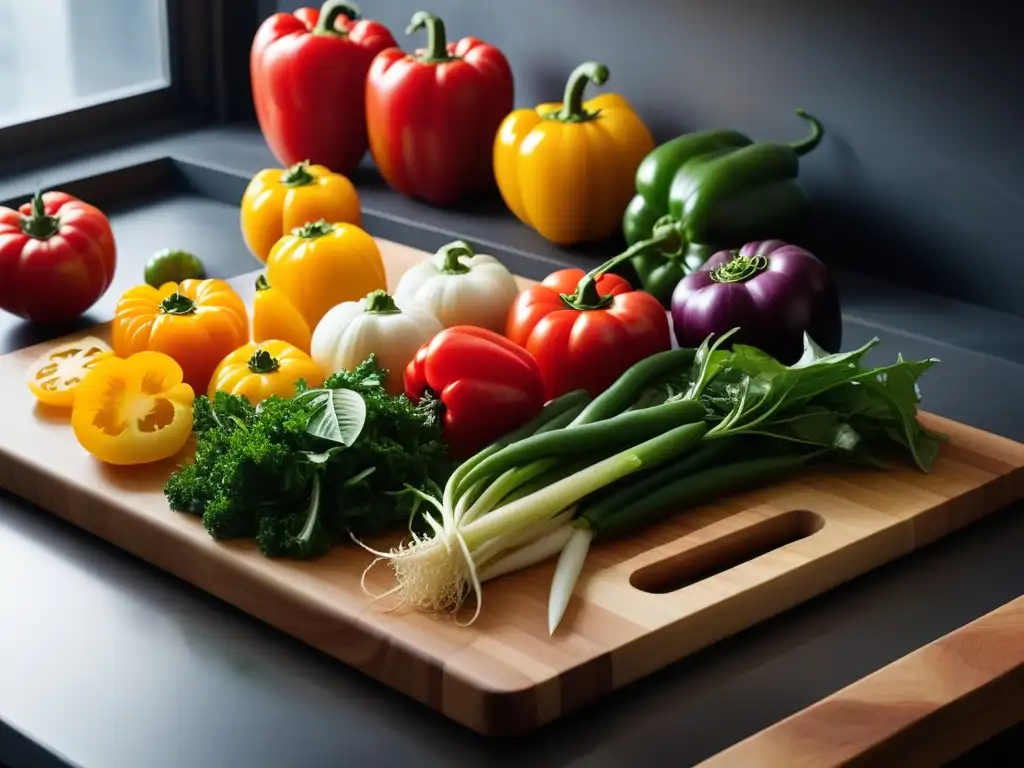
(177, 304)
(572, 102)
(263, 362)
(298, 175)
(739, 268)
(451, 254)
(806, 144)
(380, 303)
(262, 284)
(329, 13)
(313, 230)
(667, 237)
(437, 42)
(40, 225)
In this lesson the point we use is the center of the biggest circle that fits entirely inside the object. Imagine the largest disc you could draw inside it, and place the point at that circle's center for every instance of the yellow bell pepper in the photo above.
(278, 201)
(274, 317)
(261, 370)
(568, 170)
(322, 264)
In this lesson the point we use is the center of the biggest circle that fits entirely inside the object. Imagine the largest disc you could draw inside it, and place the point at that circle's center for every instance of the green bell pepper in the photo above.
(702, 192)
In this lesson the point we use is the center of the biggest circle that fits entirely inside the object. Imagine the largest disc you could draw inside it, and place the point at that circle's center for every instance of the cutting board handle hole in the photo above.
(734, 549)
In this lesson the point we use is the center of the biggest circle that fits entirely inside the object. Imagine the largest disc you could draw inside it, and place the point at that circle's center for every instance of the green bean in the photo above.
(693, 489)
(620, 395)
(625, 429)
(636, 487)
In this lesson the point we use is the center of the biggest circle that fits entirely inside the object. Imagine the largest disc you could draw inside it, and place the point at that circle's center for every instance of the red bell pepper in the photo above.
(57, 258)
(433, 116)
(585, 330)
(485, 385)
(308, 72)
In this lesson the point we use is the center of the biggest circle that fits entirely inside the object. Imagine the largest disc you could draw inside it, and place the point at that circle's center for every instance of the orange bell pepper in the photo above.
(274, 317)
(133, 411)
(568, 170)
(323, 264)
(276, 202)
(258, 371)
(196, 322)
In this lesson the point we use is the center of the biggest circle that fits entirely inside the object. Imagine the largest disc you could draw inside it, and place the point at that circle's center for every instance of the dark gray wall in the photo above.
(921, 177)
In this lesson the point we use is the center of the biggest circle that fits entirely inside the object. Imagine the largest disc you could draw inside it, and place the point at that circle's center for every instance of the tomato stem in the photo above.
(380, 303)
(177, 304)
(437, 43)
(314, 230)
(40, 225)
(572, 110)
(262, 284)
(298, 175)
(263, 362)
(451, 254)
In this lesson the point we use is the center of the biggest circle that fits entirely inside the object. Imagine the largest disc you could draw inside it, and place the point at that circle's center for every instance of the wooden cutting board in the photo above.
(744, 559)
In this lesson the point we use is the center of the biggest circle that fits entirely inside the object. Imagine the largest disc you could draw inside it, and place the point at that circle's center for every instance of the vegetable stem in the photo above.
(572, 110)
(451, 255)
(331, 11)
(805, 145)
(40, 225)
(437, 44)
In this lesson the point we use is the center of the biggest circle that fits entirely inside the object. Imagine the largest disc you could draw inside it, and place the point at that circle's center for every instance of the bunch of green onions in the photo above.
(513, 505)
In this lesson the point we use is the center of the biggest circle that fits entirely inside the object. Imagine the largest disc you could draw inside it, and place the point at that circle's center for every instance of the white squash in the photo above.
(460, 287)
(350, 331)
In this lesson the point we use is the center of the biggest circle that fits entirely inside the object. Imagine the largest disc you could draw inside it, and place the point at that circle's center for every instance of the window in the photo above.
(62, 55)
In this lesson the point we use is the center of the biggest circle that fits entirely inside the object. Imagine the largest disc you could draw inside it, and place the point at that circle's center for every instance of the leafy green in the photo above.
(823, 401)
(298, 474)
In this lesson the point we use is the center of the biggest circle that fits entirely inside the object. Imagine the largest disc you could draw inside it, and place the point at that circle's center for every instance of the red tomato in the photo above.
(590, 345)
(57, 258)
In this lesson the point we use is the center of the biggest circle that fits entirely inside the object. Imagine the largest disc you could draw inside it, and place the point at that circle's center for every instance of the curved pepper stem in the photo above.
(381, 303)
(329, 14)
(262, 284)
(572, 110)
(177, 304)
(667, 238)
(262, 362)
(437, 41)
(298, 175)
(451, 254)
(805, 145)
(40, 225)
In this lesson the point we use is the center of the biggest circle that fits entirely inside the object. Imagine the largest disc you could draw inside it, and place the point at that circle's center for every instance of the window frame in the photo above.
(205, 38)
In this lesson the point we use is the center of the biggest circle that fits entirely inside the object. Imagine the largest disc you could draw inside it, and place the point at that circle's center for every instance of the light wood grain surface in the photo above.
(631, 614)
(923, 710)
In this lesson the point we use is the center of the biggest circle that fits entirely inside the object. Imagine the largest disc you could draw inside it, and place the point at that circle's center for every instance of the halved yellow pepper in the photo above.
(133, 410)
(568, 170)
(274, 317)
(323, 264)
(278, 201)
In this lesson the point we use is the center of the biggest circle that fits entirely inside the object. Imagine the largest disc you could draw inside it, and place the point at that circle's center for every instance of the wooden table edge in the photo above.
(923, 709)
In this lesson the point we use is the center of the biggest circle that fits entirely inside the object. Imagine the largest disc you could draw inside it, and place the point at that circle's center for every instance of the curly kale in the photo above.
(298, 474)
